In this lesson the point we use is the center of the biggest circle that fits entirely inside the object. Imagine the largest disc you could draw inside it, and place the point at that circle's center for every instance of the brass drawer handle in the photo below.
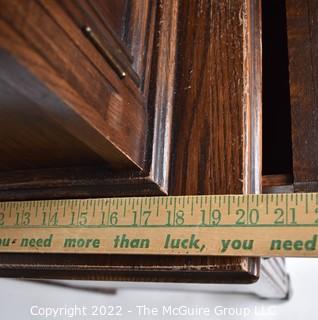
(104, 52)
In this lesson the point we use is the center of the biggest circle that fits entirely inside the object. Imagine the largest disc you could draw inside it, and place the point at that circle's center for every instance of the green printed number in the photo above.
(49, 219)
(247, 217)
(285, 217)
(23, 218)
(214, 217)
(176, 219)
(80, 219)
(113, 218)
(143, 218)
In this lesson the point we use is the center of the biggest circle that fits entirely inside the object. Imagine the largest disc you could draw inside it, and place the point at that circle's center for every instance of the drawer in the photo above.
(106, 115)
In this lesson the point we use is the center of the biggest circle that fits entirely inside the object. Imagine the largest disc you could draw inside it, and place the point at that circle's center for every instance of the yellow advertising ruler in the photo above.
(245, 225)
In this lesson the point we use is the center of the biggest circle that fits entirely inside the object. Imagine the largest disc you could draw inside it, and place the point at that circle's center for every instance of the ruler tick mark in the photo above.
(157, 213)
(140, 215)
(47, 219)
(93, 208)
(125, 203)
(247, 203)
(228, 205)
(192, 207)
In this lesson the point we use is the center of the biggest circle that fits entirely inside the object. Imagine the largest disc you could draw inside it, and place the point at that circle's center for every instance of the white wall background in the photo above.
(18, 297)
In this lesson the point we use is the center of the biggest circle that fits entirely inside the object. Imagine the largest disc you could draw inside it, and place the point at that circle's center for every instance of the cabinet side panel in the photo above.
(302, 28)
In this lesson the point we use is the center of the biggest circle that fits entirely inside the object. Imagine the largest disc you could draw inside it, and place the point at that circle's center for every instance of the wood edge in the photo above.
(252, 117)
(277, 180)
(280, 183)
(79, 182)
(164, 92)
(121, 267)
(306, 186)
(252, 110)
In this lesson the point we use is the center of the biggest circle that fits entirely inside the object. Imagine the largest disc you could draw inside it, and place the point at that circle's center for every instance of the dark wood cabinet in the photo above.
(183, 119)
(86, 97)
(145, 97)
(70, 104)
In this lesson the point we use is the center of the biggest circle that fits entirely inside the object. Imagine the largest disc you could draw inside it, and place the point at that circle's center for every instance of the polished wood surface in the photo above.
(107, 114)
(24, 133)
(156, 77)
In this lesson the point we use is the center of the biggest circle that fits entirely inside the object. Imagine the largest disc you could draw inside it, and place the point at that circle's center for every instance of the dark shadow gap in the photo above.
(277, 145)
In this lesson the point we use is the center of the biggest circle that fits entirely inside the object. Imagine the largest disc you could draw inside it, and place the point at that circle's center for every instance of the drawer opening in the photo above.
(277, 144)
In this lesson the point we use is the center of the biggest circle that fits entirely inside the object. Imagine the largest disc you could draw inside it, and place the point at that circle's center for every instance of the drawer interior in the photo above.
(277, 142)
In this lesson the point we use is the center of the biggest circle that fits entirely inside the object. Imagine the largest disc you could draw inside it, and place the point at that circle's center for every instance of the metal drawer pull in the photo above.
(104, 52)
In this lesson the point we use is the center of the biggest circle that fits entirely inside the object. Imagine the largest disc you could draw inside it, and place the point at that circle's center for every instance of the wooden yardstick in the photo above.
(244, 225)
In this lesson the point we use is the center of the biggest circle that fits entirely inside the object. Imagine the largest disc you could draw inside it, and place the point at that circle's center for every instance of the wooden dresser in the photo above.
(145, 97)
